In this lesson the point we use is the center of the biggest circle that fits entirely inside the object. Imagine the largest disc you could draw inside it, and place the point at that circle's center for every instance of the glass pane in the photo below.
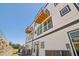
(52, 52)
(40, 29)
(65, 10)
(66, 53)
(42, 44)
(45, 26)
(55, 4)
(47, 11)
(75, 40)
(50, 25)
(76, 5)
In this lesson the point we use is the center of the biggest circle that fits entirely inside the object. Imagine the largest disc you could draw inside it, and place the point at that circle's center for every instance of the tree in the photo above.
(15, 46)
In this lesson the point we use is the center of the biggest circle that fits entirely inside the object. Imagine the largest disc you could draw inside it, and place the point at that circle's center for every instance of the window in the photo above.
(50, 25)
(45, 26)
(34, 46)
(52, 53)
(55, 4)
(65, 10)
(67, 46)
(57, 53)
(42, 44)
(47, 11)
(35, 31)
(77, 6)
(39, 30)
(66, 53)
(74, 38)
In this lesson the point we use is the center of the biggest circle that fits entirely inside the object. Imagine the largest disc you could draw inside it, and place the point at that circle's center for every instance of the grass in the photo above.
(15, 52)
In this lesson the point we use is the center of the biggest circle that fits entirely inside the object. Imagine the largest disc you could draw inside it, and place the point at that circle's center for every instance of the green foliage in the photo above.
(15, 46)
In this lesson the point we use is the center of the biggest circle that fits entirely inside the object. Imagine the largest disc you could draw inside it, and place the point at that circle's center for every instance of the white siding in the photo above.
(59, 39)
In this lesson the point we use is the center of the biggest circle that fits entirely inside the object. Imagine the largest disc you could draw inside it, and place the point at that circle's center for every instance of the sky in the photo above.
(14, 18)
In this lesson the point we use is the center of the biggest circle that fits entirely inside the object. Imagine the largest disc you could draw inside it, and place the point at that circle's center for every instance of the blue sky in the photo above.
(14, 18)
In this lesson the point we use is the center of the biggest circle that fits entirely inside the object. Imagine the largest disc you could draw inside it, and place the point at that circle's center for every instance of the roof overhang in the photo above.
(41, 17)
(29, 30)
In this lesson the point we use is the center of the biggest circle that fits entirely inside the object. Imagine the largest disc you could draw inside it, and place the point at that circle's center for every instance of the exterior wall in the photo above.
(59, 21)
(58, 39)
(29, 45)
(50, 8)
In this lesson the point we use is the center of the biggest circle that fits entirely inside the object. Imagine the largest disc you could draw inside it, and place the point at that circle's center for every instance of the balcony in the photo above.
(41, 17)
(29, 30)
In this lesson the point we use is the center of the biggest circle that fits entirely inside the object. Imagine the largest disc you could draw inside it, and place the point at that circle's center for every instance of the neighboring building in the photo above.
(55, 31)
(5, 49)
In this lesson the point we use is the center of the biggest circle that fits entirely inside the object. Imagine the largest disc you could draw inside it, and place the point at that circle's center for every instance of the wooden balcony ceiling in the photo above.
(41, 17)
(29, 30)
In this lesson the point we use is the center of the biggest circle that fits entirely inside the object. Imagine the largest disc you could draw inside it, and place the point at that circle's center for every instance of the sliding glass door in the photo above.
(74, 38)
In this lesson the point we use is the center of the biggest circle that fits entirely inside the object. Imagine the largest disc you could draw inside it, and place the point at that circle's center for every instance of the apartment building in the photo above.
(55, 31)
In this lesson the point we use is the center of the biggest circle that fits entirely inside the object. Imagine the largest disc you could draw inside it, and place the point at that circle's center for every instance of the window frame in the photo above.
(45, 26)
(71, 42)
(58, 53)
(55, 4)
(40, 29)
(50, 23)
(65, 10)
(43, 45)
(76, 5)
(47, 11)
